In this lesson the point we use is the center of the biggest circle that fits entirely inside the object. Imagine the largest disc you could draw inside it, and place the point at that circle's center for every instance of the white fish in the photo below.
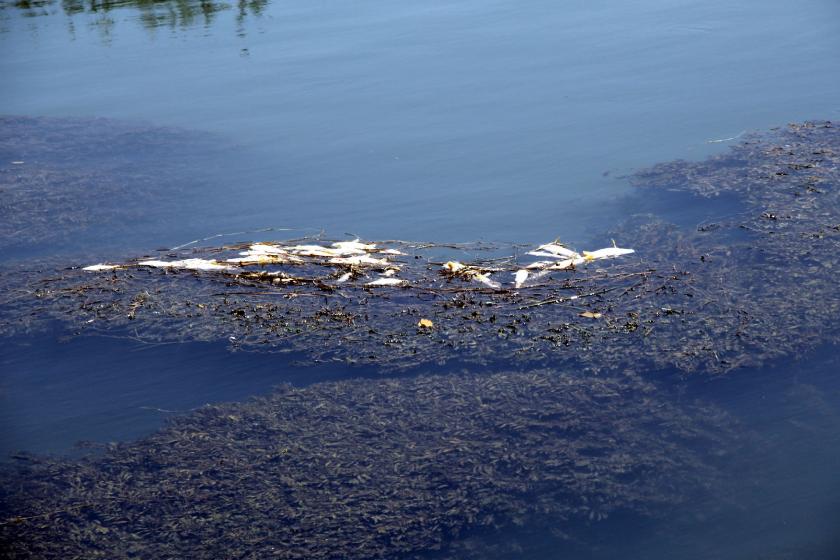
(454, 266)
(360, 260)
(485, 279)
(387, 282)
(261, 256)
(354, 245)
(568, 263)
(263, 259)
(265, 248)
(188, 264)
(542, 254)
(519, 279)
(608, 253)
(553, 251)
(344, 277)
(536, 276)
(100, 267)
(541, 264)
(319, 251)
(558, 250)
(472, 273)
(392, 252)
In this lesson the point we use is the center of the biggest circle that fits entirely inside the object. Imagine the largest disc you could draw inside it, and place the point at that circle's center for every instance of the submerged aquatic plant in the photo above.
(395, 468)
(736, 291)
(372, 469)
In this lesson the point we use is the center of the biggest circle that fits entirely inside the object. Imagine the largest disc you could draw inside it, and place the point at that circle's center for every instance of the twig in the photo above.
(19, 519)
(216, 236)
(726, 139)
(563, 300)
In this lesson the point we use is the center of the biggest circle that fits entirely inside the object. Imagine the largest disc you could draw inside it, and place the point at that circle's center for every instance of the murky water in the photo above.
(442, 121)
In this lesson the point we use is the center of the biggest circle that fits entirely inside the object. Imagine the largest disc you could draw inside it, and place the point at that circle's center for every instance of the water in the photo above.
(445, 121)
(449, 120)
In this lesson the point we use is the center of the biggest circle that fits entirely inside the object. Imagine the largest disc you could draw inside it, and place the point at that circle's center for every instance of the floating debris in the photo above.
(554, 250)
(470, 272)
(318, 251)
(186, 264)
(570, 259)
(387, 282)
(101, 267)
(261, 253)
(733, 292)
(359, 260)
(269, 254)
(355, 245)
(608, 253)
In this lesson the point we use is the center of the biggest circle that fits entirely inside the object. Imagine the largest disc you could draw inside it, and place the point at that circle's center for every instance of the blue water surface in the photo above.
(436, 120)
(431, 120)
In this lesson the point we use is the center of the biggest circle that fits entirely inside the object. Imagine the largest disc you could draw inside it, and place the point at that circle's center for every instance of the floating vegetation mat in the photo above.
(737, 291)
(384, 468)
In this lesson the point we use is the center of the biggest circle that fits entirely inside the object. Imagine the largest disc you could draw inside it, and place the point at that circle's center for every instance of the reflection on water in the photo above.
(30, 9)
(150, 13)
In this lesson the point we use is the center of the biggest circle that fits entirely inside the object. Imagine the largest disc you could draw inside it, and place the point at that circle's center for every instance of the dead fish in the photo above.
(519, 279)
(387, 282)
(319, 251)
(264, 254)
(568, 263)
(542, 254)
(364, 259)
(100, 267)
(354, 245)
(187, 264)
(265, 248)
(558, 250)
(264, 258)
(454, 267)
(608, 253)
(471, 273)
(485, 279)
(541, 264)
